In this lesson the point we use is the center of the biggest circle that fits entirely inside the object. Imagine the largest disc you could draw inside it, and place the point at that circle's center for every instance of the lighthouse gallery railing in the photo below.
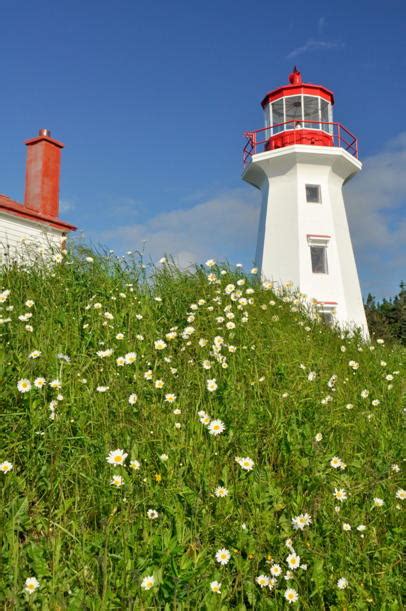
(258, 140)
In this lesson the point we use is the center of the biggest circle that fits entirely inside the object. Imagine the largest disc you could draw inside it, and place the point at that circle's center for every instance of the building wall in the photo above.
(22, 241)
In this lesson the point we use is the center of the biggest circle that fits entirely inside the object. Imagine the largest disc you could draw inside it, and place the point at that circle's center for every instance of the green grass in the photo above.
(90, 544)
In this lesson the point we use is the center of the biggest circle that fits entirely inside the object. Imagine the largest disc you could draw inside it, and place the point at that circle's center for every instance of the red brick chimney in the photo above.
(42, 174)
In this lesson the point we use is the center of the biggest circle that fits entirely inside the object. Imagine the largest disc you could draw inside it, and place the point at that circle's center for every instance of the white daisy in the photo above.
(223, 556)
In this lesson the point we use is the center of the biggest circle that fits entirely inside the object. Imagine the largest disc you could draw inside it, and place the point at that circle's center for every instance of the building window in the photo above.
(313, 194)
(319, 259)
(327, 317)
(327, 313)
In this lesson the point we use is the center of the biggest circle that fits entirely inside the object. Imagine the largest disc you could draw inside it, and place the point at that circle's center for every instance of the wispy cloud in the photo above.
(313, 44)
(321, 24)
(376, 206)
(223, 226)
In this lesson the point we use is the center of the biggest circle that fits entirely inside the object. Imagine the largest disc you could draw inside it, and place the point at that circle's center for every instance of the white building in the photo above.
(34, 227)
(300, 161)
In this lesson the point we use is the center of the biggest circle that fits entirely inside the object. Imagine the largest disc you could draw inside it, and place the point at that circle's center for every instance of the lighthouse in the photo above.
(300, 161)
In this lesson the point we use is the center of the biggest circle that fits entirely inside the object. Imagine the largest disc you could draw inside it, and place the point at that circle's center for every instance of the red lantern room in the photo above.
(299, 113)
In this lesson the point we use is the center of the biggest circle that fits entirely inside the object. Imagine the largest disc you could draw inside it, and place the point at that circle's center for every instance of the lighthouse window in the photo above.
(311, 112)
(325, 115)
(319, 259)
(313, 194)
(278, 116)
(293, 111)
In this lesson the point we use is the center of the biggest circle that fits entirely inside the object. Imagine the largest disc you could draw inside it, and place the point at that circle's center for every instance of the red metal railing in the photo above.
(339, 135)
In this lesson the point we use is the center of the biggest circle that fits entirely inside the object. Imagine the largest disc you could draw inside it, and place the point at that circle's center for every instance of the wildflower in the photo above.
(29, 328)
(215, 586)
(291, 595)
(378, 502)
(39, 382)
(120, 361)
(108, 316)
(245, 463)
(340, 494)
(177, 425)
(318, 437)
(4, 296)
(375, 402)
(102, 388)
(152, 514)
(89, 259)
(56, 384)
(364, 393)
(346, 526)
(293, 561)
(35, 354)
(216, 427)
(210, 263)
(276, 570)
(130, 358)
(132, 399)
(262, 581)
(135, 465)
(361, 528)
(312, 376)
(63, 357)
(272, 583)
(354, 365)
(337, 463)
(220, 491)
(288, 575)
(223, 556)
(116, 457)
(117, 481)
(6, 466)
(299, 522)
(395, 468)
(170, 397)
(342, 583)
(159, 344)
(24, 385)
(120, 336)
(31, 584)
(206, 364)
(212, 385)
(148, 582)
(401, 494)
(105, 353)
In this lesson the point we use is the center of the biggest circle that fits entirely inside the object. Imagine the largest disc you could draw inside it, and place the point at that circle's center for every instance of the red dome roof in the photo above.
(297, 87)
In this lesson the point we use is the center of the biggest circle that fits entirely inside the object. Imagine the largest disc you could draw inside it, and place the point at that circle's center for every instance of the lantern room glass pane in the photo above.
(311, 112)
(325, 116)
(293, 106)
(277, 116)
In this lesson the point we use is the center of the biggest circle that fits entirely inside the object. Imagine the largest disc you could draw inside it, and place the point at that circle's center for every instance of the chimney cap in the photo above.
(45, 132)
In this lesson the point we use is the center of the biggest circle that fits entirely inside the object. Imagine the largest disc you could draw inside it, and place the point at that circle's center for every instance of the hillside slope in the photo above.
(259, 450)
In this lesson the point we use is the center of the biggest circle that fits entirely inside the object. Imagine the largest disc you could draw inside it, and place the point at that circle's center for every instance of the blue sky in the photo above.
(151, 99)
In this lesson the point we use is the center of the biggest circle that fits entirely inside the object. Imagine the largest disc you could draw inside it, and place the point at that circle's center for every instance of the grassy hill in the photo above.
(259, 449)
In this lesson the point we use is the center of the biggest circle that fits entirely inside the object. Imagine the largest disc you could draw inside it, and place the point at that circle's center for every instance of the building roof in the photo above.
(14, 208)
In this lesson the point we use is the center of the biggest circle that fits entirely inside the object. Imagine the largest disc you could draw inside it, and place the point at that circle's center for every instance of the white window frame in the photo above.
(327, 308)
(320, 241)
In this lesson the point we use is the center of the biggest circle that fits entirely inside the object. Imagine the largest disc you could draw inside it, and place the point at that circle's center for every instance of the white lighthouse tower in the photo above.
(300, 161)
